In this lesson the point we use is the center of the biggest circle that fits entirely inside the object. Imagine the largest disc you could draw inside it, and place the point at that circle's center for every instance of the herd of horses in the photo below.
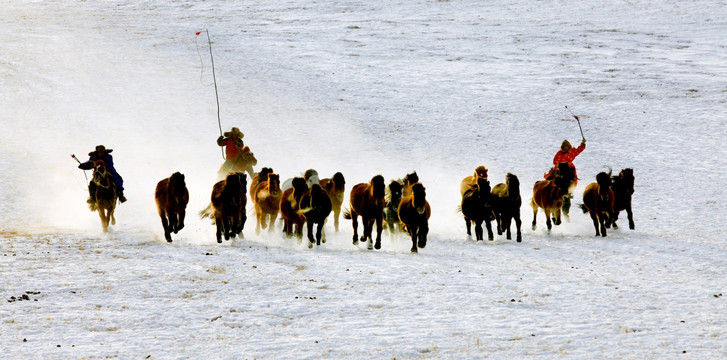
(400, 207)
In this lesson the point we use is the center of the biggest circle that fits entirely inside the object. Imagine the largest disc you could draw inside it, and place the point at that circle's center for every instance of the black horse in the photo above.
(506, 205)
(477, 207)
(623, 189)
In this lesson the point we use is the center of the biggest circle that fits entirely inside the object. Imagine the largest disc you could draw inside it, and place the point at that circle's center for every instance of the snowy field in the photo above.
(364, 88)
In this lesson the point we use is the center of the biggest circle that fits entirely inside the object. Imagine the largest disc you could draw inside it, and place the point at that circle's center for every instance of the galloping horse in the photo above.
(477, 207)
(289, 205)
(315, 205)
(367, 200)
(598, 200)
(548, 194)
(480, 172)
(228, 202)
(506, 203)
(171, 197)
(261, 176)
(335, 187)
(244, 161)
(414, 212)
(623, 188)
(391, 211)
(106, 194)
(267, 202)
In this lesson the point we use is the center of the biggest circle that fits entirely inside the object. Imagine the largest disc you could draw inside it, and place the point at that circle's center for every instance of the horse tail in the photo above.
(207, 212)
(347, 214)
(583, 207)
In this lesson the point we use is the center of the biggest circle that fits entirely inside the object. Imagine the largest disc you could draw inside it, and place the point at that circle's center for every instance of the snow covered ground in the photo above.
(365, 88)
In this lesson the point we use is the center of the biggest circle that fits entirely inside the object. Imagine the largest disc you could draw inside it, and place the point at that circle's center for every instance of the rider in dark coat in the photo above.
(103, 154)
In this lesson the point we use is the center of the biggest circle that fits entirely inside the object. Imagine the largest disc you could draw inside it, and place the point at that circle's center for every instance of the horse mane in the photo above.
(299, 187)
(263, 174)
(411, 178)
(378, 189)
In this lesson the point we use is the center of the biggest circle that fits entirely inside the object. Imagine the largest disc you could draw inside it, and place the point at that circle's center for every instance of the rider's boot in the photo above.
(91, 194)
(122, 198)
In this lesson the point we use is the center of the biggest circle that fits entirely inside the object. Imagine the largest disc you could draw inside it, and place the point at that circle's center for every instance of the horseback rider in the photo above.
(101, 153)
(235, 153)
(566, 154)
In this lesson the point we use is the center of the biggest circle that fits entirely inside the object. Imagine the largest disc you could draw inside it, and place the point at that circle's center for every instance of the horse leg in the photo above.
(180, 222)
(218, 228)
(336, 214)
(422, 234)
(413, 233)
(379, 228)
(630, 215)
(468, 224)
(535, 213)
(227, 226)
(506, 224)
(566, 207)
(478, 230)
(594, 217)
(273, 217)
(320, 236)
(368, 230)
(104, 221)
(548, 224)
(354, 222)
(165, 225)
(490, 236)
(258, 219)
(518, 223)
(311, 240)
(602, 219)
(499, 222)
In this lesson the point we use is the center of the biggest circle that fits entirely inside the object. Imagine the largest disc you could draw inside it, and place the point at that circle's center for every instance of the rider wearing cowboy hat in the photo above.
(103, 154)
(232, 141)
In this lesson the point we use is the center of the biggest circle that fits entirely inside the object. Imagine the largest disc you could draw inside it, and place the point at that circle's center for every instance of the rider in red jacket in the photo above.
(566, 154)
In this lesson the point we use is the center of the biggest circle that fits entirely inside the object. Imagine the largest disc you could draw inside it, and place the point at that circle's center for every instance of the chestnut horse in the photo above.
(335, 187)
(477, 207)
(261, 176)
(315, 205)
(623, 188)
(106, 194)
(228, 202)
(267, 202)
(598, 200)
(289, 205)
(414, 212)
(480, 172)
(367, 201)
(506, 203)
(391, 211)
(548, 194)
(171, 197)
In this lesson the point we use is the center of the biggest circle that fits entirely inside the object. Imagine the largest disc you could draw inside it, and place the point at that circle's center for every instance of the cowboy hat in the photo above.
(100, 149)
(234, 131)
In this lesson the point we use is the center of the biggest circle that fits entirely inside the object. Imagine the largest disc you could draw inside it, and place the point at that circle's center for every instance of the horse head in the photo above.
(513, 185)
(394, 194)
(564, 176)
(378, 189)
(420, 198)
(480, 172)
(311, 177)
(627, 180)
(263, 174)
(604, 183)
(299, 187)
(273, 184)
(177, 184)
(411, 178)
(101, 175)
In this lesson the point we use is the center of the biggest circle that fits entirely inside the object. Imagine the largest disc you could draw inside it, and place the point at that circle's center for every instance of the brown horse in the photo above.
(261, 176)
(598, 200)
(267, 202)
(414, 212)
(477, 207)
(335, 187)
(106, 194)
(623, 188)
(548, 194)
(506, 203)
(289, 205)
(229, 200)
(315, 205)
(367, 201)
(480, 172)
(391, 211)
(171, 197)
(244, 161)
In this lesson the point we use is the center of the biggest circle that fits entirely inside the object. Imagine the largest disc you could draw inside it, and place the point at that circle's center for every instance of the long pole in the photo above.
(578, 120)
(79, 163)
(214, 78)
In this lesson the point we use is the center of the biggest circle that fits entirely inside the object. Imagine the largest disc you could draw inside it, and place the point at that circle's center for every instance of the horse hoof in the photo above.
(310, 245)
(414, 250)
(378, 245)
(219, 241)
